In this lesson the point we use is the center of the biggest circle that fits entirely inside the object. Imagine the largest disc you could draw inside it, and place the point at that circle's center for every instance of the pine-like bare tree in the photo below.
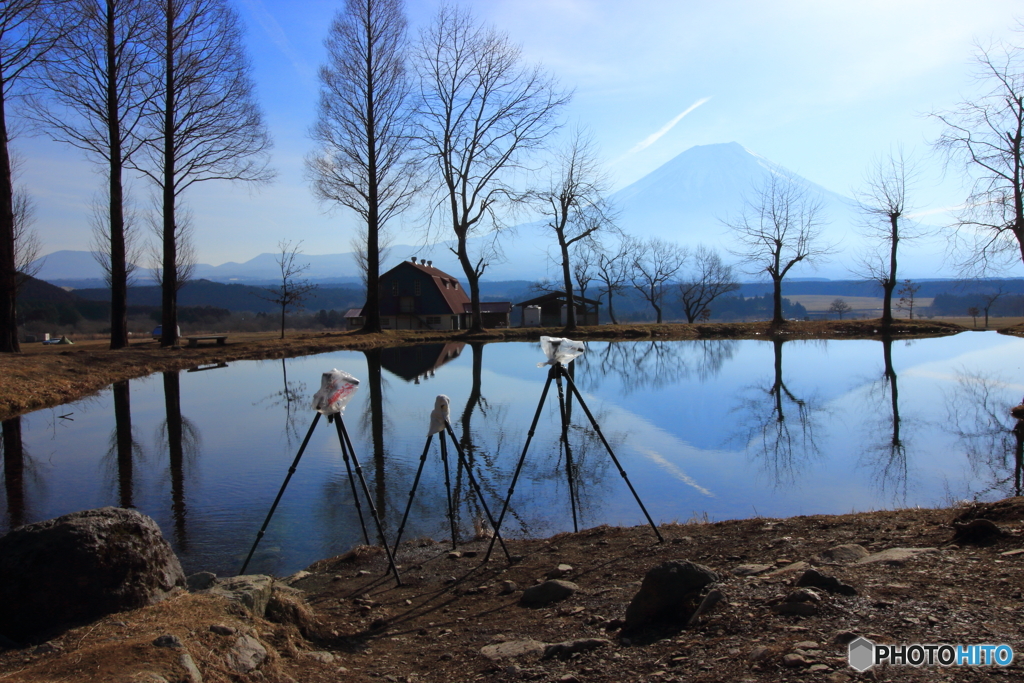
(481, 111)
(25, 38)
(204, 119)
(99, 85)
(362, 129)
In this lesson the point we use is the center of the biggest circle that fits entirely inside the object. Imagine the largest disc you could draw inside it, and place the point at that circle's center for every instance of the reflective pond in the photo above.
(705, 430)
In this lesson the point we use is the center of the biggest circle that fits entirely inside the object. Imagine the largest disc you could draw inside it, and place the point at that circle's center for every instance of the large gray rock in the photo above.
(79, 567)
(252, 591)
(667, 592)
(547, 592)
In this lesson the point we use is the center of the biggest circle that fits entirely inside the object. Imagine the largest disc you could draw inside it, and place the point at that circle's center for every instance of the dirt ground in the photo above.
(361, 626)
(43, 376)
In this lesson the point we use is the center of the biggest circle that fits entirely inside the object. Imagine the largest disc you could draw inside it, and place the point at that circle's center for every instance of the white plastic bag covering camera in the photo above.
(336, 390)
(559, 350)
(439, 415)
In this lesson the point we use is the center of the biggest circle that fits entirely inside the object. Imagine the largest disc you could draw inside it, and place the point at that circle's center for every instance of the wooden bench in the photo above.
(221, 339)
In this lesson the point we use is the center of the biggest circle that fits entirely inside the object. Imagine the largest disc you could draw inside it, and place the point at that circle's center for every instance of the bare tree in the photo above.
(98, 91)
(988, 299)
(481, 111)
(780, 226)
(359, 244)
(24, 40)
(573, 204)
(653, 265)
(362, 161)
(883, 200)
(839, 307)
(612, 269)
(584, 262)
(908, 292)
(102, 245)
(293, 290)
(709, 279)
(185, 258)
(204, 118)
(974, 312)
(27, 246)
(986, 138)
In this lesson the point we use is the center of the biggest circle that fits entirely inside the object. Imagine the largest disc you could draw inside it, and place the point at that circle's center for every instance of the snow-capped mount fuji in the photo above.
(686, 200)
(698, 190)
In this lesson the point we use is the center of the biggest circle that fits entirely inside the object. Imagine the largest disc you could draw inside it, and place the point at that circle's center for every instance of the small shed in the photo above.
(553, 313)
(492, 313)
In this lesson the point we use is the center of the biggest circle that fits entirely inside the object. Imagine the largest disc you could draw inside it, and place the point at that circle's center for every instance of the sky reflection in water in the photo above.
(724, 428)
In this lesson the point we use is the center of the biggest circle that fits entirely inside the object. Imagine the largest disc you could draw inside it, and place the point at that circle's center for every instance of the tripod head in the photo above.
(560, 351)
(336, 390)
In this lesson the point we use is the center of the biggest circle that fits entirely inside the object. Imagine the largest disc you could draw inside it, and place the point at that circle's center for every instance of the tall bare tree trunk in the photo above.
(118, 265)
(8, 272)
(169, 284)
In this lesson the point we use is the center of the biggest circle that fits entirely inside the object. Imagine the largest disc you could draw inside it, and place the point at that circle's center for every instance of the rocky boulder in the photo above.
(670, 591)
(82, 566)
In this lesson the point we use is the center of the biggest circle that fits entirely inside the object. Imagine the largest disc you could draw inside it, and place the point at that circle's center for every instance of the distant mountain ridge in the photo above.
(685, 200)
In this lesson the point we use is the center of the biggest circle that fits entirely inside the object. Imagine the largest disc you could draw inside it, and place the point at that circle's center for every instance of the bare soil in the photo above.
(43, 376)
(434, 627)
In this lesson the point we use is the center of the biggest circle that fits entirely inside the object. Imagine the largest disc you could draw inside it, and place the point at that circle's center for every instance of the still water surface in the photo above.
(722, 429)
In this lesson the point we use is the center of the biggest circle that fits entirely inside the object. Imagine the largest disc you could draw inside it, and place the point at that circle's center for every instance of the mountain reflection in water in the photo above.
(718, 427)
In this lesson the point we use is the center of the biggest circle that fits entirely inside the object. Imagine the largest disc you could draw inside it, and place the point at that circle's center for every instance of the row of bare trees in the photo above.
(159, 89)
(455, 114)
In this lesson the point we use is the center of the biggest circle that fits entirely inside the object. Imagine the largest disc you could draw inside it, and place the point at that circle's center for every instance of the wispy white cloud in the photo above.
(654, 137)
(277, 36)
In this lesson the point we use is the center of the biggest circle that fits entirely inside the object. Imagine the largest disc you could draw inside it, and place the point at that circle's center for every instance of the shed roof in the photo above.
(557, 296)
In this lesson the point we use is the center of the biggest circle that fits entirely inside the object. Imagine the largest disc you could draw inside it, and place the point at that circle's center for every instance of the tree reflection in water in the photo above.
(292, 397)
(643, 366)
(14, 472)
(779, 427)
(124, 449)
(978, 414)
(181, 438)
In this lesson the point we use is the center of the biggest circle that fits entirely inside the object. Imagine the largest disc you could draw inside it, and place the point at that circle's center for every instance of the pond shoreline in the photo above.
(51, 375)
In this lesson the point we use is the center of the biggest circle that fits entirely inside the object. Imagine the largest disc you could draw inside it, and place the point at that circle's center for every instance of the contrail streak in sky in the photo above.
(651, 139)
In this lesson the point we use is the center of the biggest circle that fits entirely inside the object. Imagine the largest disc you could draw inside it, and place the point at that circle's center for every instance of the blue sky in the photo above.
(819, 87)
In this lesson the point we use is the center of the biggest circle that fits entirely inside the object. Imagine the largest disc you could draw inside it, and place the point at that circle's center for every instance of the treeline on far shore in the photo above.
(208, 306)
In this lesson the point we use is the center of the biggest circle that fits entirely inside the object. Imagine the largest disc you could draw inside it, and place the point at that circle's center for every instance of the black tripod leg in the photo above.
(343, 436)
(291, 471)
(476, 487)
(568, 453)
(622, 472)
(448, 491)
(412, 493)
(352, 483)
(522, 459)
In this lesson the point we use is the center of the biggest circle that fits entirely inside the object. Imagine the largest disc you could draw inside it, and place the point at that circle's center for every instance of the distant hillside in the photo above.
(232, 297)
(840, 288)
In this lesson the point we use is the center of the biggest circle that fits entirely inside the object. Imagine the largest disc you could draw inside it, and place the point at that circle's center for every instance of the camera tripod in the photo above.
(347, 452)
(463, 461)
(557, 373)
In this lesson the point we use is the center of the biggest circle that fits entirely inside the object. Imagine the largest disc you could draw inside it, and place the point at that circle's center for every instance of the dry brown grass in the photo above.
(49, 375)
